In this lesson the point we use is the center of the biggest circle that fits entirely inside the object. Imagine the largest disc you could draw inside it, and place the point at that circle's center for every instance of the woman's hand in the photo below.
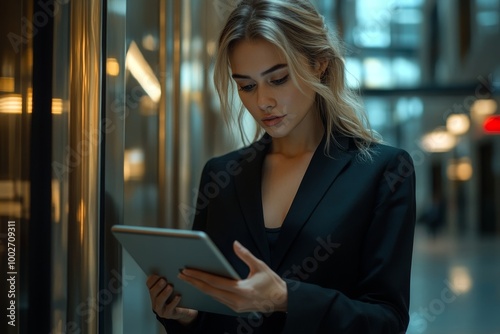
(164, 302)
(262, 291)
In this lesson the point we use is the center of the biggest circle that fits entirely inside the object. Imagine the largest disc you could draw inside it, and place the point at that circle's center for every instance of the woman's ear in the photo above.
(320, 67)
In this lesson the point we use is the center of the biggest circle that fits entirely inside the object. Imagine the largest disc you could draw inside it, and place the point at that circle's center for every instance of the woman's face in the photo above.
(268, 92)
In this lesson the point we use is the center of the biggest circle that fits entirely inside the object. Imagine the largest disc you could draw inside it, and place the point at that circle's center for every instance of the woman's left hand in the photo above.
(262, 291)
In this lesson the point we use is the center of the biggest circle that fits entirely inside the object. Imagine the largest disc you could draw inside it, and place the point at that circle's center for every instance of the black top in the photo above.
(272, 237)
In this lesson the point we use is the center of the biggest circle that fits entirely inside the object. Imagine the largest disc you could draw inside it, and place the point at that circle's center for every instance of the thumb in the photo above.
(246, 256)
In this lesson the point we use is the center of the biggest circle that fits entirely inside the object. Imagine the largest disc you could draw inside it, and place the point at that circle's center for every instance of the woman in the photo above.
(316, 215)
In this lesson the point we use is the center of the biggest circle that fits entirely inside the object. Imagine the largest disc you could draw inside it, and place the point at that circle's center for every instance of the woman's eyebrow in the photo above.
(272, 69)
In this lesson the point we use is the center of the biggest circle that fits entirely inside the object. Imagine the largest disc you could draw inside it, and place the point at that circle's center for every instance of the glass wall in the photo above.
(16, 63)
(159, 94)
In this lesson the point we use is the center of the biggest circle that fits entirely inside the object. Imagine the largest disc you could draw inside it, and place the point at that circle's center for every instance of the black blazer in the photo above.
(344, 248)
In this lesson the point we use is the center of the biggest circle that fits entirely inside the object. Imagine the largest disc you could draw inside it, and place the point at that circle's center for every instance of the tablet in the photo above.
(164, 251)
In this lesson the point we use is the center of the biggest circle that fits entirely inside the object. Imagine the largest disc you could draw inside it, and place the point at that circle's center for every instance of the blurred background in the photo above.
(108, 113)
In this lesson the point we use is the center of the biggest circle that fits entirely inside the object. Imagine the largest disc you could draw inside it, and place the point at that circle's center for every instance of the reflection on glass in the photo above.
(133, 167)
(142, 72)
(7, 84)
(150, 42)
(112, 67)
(13, 104)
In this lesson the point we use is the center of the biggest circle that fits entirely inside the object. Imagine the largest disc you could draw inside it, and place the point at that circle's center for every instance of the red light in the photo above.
(492, 124)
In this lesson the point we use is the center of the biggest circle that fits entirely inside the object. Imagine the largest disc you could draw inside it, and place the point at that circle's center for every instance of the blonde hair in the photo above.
(297, 29)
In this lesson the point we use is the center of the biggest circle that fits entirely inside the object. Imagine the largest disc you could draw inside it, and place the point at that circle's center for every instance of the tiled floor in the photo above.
(455, 285)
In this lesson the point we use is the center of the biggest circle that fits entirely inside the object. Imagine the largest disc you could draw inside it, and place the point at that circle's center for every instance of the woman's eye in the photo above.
(246, 88)
(280, 81)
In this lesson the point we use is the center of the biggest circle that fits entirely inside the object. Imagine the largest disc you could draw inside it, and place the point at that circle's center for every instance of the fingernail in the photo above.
(162, 283)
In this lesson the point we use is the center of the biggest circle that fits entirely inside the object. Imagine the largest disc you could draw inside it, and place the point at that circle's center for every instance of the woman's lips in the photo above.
(273, 120)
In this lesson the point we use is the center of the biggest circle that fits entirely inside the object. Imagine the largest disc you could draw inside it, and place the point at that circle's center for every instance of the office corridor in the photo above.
(109, 112)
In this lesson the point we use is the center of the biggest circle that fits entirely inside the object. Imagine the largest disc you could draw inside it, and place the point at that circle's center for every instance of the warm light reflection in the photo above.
(7, 84)
(30, 100)
(56, 201)
(482, 108)
(133, 164)
(57, 106)
(458, 124)
(81, 218)
(438, 140)
(13, 104)
(150, 42)
(112, 67)
(142, 72)
(460, 279)
(460, 170)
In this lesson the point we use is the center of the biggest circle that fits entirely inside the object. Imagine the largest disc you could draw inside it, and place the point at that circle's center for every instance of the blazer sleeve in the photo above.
(381, 300)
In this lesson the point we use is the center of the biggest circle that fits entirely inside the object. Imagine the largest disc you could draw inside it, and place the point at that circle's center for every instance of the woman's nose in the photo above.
(265, 100)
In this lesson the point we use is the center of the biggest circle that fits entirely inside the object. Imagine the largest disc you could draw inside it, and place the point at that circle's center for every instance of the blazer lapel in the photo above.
(320, 174)
(248, 186)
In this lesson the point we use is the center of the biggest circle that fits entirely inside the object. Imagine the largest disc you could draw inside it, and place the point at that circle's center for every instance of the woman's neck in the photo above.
(300, 142)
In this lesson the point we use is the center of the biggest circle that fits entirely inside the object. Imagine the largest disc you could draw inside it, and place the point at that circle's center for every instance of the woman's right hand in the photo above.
(164, 302)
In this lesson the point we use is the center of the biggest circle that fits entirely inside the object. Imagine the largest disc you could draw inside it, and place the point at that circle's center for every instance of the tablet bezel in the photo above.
(180, 249)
